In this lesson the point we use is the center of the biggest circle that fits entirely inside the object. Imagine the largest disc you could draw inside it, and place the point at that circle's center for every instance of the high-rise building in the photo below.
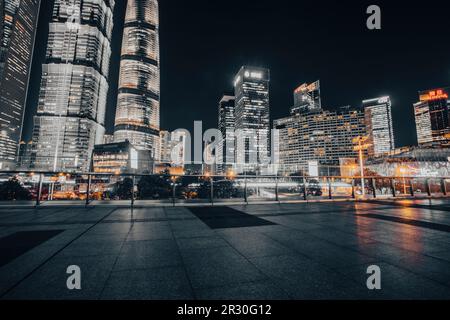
(18, 24)
(137, 116)
(227, 123)
(173, 148)
(322, 137)
(252, 112)
(165, 145)
(433, 117)
(378, 114)
(72, 100)
(108, 138)
(307, 99)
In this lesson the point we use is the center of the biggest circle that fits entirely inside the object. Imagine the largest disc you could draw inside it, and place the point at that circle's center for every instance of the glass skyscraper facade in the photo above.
(433, 117)
(380, 131)
(72, 101)
(252, 112)
(137, 115)
(18, 23)
(227, 124)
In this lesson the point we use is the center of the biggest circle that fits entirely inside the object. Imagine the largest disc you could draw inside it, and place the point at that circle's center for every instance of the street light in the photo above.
(360, 148)
(231, 174)
(403, 171)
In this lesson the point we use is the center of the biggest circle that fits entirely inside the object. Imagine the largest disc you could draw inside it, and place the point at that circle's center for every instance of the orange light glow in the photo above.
(434, 95)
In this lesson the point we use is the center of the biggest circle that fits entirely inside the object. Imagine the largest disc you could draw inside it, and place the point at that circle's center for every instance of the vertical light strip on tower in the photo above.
(137, 115)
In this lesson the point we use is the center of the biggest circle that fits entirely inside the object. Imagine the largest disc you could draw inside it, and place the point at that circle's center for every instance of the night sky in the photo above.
(205, 42)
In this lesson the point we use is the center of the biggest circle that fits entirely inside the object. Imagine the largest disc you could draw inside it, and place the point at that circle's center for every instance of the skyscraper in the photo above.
(227, 125)
(307, 98)
(137, 116)
(252, 112)
(378, 114)
(72, 100)
(18, 23)
(433, 117)
(324, 137)
(173, 148)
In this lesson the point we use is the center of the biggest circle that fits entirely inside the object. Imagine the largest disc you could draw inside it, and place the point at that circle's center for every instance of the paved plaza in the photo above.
(258, 251)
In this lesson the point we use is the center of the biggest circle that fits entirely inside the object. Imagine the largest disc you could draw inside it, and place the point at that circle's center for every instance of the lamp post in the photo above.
(403, 171)
(360, 147)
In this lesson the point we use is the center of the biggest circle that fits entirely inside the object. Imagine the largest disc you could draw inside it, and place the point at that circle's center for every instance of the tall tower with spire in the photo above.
(138, 103)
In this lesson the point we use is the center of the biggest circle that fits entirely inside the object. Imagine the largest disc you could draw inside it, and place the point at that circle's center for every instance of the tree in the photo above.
(14, 190)
(155, 187)
(224, 189)
(124, 188)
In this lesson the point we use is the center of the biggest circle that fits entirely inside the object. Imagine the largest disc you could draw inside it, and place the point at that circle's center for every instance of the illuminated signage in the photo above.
(383, 100)
(431, 95)
(308, 87)
(253, 74)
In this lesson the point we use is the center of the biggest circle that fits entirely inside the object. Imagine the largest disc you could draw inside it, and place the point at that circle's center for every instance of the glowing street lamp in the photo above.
(360, 148)
(231, 174)
(403, 172)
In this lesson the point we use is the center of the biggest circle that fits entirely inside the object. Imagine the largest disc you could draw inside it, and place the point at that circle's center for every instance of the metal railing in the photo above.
(88, 188)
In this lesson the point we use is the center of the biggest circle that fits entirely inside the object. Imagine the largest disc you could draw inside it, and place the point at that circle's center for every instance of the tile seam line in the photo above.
(2, 295)
(194, 295)
(254, 265)
(132, 220)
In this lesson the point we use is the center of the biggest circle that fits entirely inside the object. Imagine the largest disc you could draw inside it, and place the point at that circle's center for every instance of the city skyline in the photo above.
(236, 151)
(287, 71)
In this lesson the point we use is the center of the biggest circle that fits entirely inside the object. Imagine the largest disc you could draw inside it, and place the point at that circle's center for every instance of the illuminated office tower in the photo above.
(252, 112)
(432, 117)
(378, 118)
(72, 100)
(137, 116)
(307, 99)
(173, 148)
(165, 145)
(324, 137)
(227, 124)
(18, 23)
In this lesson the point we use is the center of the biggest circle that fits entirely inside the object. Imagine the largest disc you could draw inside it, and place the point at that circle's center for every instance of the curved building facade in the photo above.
(137, 115)
(72, 101)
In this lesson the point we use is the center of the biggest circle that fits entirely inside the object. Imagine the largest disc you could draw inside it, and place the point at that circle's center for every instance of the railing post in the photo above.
(39, 194)
(411, 186)
(88, 190)
(132, 191)
(427, 185)
(330, 193)
(443, 187)
(212, 190)
(374, 188)
(277, 198)
(173, 190)
(353, 189)
(245, 189)
(394, 194)
(305, 194)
